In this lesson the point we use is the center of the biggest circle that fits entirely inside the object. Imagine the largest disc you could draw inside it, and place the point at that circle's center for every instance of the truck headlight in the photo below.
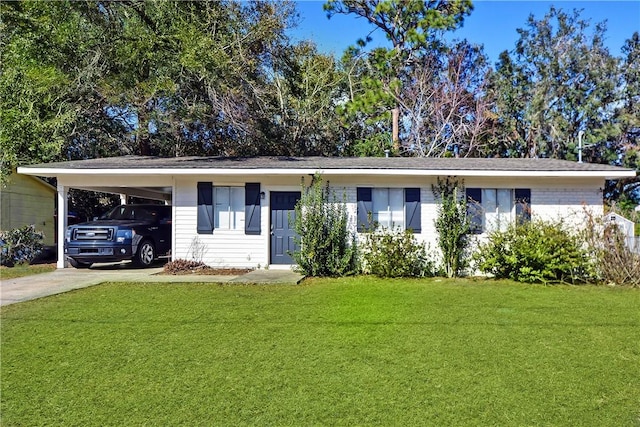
(67, 235)
(123, 235)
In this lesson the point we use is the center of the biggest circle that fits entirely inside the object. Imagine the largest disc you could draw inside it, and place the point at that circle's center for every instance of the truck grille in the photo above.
(93, 233)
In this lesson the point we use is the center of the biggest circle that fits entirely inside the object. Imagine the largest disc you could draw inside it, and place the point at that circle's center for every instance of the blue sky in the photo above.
(492, 23)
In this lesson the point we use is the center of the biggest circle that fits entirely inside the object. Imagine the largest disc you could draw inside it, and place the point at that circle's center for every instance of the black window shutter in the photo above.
(205, 208)
(523, 204)
(252, 208)
(474, 209)
(365, 207)
(412, 210)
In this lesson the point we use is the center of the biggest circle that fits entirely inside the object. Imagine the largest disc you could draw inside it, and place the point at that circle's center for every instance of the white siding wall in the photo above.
(550, 199)
(223, 248)
(427, 201)
(352, 204)
(429, 214)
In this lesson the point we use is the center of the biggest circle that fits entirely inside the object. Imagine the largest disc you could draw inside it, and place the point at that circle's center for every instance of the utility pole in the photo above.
(395, 116)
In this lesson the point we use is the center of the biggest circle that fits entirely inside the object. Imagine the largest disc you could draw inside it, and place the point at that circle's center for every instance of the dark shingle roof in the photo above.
(327, 163)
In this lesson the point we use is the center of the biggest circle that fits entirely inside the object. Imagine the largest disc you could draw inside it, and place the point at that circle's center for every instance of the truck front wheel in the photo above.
(146, 254)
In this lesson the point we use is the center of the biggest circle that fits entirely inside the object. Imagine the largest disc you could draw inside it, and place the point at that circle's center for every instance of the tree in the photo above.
(445, 109)
(306, 85)
(410, 27)
(146, 77)
(627, 118)
(509, 88)
(189, 77)
(560, 81)
(364, 121)
(36, 84)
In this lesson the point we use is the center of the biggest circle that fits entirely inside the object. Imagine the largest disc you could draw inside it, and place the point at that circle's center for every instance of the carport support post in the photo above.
(63, 207)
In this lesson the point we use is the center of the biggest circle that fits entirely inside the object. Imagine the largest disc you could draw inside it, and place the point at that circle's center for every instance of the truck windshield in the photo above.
(128, 212)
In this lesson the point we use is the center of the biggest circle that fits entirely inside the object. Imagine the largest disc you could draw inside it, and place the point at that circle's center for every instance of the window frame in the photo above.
(519, 208)
(410, 218)
(498, 218)
(235, 208)
(392, 196)
(249, 205)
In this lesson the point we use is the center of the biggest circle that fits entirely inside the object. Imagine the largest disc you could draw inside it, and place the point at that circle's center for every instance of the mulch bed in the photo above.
(204, 271)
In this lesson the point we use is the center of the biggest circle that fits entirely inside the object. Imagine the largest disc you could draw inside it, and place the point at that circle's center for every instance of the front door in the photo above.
(283, 216)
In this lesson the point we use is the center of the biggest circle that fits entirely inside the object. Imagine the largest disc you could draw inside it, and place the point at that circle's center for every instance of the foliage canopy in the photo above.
(88, 79)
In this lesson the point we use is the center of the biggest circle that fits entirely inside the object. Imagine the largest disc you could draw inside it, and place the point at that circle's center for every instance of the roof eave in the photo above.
(54, 172)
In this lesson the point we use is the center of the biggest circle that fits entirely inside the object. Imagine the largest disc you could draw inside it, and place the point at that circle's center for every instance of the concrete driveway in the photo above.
(67, 279)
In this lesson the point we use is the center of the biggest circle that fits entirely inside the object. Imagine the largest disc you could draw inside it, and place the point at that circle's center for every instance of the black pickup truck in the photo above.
(128, 232)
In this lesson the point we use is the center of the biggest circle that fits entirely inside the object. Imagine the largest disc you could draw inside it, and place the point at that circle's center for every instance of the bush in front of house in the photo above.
(536, 252)
(20, 246)
(453, 226)
(326, 245)
(395, 253)
(615, 262)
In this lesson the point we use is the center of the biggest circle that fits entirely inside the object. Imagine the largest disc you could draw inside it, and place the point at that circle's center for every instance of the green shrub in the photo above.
(536, 252)
(326, 246)
(389, 253)
(21, 245)
(453, 226)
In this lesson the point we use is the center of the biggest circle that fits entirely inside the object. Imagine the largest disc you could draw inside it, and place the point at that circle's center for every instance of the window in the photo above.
(493, 209)
(229, 208)
(228, 213)
(389, 208)
(497, 205)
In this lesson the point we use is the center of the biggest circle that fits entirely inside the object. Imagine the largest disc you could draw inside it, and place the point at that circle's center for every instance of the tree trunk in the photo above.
(142, 133)
(395, 114)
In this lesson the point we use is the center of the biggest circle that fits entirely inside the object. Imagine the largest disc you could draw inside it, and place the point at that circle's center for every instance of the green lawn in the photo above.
(360, 351)
(22, 270)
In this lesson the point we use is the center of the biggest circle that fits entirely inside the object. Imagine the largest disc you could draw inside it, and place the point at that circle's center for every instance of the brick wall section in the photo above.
(568, 204)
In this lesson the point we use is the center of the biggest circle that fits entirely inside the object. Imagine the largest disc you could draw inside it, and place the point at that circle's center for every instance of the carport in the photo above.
(95, 175)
